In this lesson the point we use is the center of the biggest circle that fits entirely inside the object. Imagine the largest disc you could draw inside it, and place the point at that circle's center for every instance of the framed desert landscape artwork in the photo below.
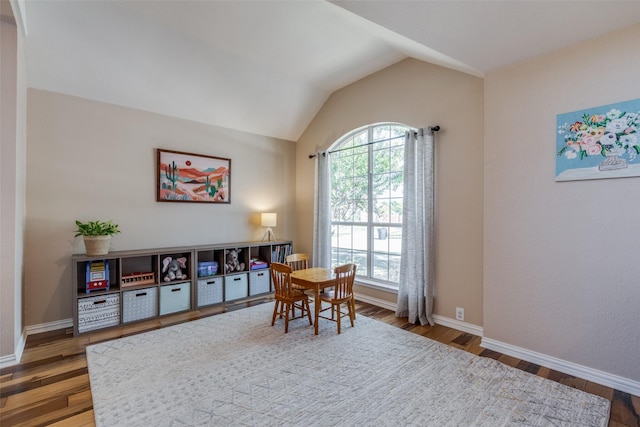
(196, 178)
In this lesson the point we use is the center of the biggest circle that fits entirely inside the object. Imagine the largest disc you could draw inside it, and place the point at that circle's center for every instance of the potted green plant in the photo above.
(97, 235)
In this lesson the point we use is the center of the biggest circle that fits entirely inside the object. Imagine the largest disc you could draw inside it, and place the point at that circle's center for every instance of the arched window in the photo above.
(366, 201)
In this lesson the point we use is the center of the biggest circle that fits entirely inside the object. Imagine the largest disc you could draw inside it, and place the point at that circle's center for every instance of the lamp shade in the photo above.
(269, 219)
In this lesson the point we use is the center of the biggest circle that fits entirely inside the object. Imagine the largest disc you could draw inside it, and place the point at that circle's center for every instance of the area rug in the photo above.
(235, 369)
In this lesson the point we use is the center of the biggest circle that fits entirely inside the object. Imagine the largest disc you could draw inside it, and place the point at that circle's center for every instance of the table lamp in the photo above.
(269, 220)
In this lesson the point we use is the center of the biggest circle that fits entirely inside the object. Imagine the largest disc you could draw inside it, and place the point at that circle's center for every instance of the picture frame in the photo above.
(599, 142)
(192, 178)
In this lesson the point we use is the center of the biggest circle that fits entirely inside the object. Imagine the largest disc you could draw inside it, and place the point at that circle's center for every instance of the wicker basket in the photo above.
(97, 245)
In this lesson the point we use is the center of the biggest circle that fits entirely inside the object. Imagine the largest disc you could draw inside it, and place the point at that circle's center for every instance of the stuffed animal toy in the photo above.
(233, 264)
(173, 268)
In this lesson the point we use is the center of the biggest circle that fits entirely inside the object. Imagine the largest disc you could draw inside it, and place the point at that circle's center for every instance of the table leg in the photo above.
(316, 303)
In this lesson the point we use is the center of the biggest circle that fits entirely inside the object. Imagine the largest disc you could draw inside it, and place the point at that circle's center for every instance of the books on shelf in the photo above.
(280, 253)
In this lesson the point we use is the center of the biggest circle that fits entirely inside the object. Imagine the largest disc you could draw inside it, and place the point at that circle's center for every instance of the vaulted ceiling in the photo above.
(267, 67)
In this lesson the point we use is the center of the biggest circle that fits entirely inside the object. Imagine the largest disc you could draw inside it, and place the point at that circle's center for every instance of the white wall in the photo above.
(89, 160)
(561, 259)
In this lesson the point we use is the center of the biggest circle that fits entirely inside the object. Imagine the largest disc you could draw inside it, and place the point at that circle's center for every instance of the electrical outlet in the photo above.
(460, 313)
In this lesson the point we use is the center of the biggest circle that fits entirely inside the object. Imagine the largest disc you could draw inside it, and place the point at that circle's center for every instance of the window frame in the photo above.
(368, 278)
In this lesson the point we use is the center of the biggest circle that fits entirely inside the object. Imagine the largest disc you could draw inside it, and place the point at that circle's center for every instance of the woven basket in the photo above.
(97, 245)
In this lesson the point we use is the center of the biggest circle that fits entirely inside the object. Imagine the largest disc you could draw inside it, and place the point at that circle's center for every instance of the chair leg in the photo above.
(352, 313)
(275, 313)
(301, 307)
(294, 307)
(339, 317)
(286, 319)
(308, 311)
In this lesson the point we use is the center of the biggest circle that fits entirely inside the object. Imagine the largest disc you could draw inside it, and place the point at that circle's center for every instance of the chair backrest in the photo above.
(297, 261)
(345, 275)
(281, 278)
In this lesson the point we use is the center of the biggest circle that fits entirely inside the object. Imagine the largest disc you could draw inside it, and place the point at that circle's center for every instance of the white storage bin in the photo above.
(139, 304)
(210, 291)
(98, 312)
(175, 297)
(259, 282)
(235, 287)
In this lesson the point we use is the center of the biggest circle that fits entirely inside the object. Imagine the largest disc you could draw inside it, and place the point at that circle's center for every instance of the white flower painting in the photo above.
(599, 142)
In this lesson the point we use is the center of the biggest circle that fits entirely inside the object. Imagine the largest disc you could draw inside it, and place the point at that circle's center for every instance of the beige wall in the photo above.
(561, 259)
(8, 39)
(417, 94)
(12, 182)
(89, 160)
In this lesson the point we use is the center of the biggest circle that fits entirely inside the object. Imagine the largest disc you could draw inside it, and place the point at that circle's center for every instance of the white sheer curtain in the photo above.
(415, 290)
(322, 212)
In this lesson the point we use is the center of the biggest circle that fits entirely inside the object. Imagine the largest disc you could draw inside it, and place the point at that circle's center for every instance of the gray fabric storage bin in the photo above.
(259, 282)
(139, 304)
(210, 291)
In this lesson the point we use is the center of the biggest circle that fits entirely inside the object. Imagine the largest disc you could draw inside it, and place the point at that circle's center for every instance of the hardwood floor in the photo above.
(51, 385)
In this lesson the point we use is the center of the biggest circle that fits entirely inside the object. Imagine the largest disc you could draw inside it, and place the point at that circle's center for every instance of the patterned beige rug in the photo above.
(234, 369)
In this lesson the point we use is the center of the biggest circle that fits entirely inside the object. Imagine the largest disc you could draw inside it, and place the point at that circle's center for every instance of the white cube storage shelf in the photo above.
(174, 298)
(139, 304)
(137, 290)
(235, 287)
(98, 312)
(259, 282)
(210, 291)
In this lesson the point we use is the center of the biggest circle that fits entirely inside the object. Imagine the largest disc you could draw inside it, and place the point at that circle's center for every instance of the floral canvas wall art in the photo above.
(599, 142)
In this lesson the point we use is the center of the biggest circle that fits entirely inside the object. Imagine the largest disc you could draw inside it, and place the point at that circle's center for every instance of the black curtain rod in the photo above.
(435, 128)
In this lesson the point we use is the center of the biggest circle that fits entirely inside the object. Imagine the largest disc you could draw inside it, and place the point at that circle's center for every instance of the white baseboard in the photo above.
(14, 359)
(606, 379)
(458, 325)
(440, 320)
(377, 302)
(8, 360)
(51, 326)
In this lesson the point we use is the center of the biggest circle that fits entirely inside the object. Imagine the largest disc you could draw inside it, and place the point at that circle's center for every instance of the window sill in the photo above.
(376, 285)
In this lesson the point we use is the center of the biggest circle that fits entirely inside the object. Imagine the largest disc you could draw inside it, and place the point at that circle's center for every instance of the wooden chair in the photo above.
(297, 261)
(342, 293)
(286, 297)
